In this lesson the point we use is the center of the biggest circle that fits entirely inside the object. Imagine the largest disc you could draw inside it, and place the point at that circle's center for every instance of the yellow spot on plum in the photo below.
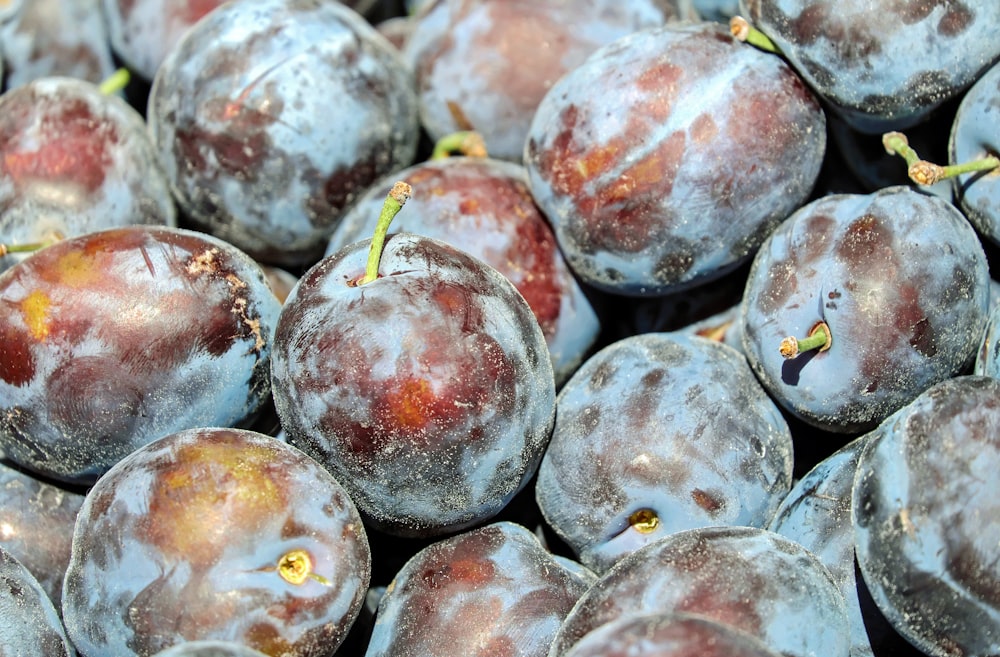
(35, 310)
(78, 269)
(644, 521)
(296, 567)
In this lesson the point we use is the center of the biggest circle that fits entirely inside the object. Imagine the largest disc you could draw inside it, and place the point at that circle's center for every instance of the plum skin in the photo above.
(672, 176)
(119, 337)
(429, 392)
(196, 536)
(900, 278)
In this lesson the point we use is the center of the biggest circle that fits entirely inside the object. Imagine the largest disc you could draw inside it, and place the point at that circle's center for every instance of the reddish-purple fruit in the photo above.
(485, 65)
(483, 207)
(427, 391)
(116, 338)
(270, 117)
(74, 160)
(216, 534)
(666, 158)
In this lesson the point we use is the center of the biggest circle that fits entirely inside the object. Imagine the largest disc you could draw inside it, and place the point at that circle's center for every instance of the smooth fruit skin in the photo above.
(270, 117)
(483, 207)
(485, 65)
(428, 392)
(667, 423)
(490, 591)
(975, 134)
(74, 160)
(116, 338)
(884, 64)
(190, 538)
(900, 278)
(924, 505)
(695, 148)
(754, 580)
(29, 623)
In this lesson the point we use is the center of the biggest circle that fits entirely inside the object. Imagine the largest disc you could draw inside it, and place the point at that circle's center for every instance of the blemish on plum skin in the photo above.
(707, 501)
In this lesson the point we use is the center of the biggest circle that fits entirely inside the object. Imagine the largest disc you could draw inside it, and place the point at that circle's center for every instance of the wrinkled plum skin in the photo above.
(925, 503)
(428, 392)
(494, 591)
(44, 38)
(901, 279)
(885, 65)
(29, 623)
(486, 65)
(119, 337)
(242, 117)
(974, 134)
(668, 635)
(182, 540)
(752, 579)
(696, 147)
(75, 161)
(674, 424)
(142, 32)
(36, 526)
(483, 207)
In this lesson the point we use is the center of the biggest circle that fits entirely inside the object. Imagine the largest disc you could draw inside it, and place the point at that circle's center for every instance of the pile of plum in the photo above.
(499, 328)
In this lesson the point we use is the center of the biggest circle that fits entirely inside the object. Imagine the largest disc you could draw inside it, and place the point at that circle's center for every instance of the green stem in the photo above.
(31, 247)
(397, 196)
(925, 173)
(465, 142)
(115, 82)
(747, 33)
(819, 338)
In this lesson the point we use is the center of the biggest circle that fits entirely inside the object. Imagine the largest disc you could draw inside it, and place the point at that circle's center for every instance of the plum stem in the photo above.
(394, 202)
(464, 142)
(926, 173)
(30, 247)
(115, 82)
(819, 338)
(741, 28)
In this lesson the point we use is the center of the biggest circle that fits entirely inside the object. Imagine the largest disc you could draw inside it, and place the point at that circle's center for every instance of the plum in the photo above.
(36, 525)
(893, 288)
(485, 65)
(667, 634)
(696, 147)
(752, 579)
(988, 356)
(118, 337)
(483, 207)
(142, 32)
(75, 160)
(493, 591)
(216, 534)
(975, 135)
(925, 501)
(270, 117)
(50, 38)
(29, 623)
(209, 649)
(882, 65)
(659, 433)
(427, 390)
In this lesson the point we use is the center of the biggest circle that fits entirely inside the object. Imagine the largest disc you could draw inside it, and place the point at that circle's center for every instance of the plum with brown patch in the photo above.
(211, 534)
(885, 65)
(271, 117)
(118, 337)
(428, 391)
(900, 278)
(483, 206)
(750, 579)
(695, 148)
(485, 65)
(924, 500)
(74, 160)
(495, 591)
(659, 433)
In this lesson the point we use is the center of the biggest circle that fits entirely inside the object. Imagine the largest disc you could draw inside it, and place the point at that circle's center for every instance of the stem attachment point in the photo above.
(397, 197)
(820, 338)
